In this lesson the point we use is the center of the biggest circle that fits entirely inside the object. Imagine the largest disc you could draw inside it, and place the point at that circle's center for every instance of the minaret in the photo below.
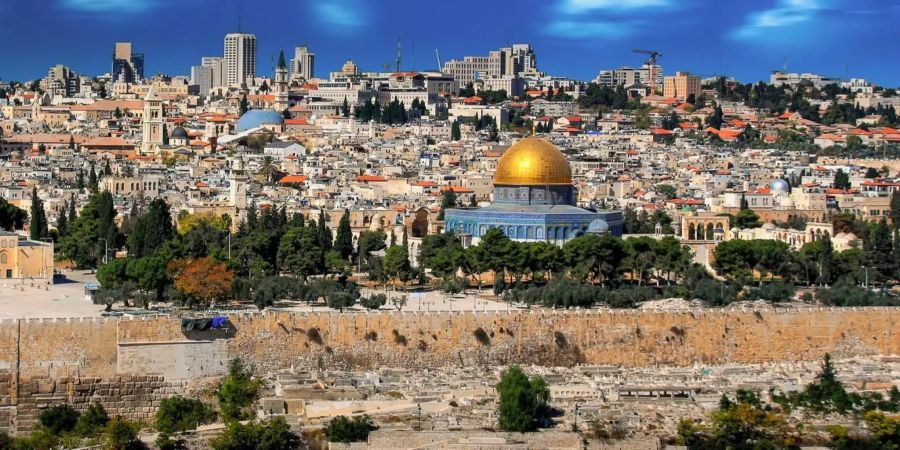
(153, 121)
(281, 84)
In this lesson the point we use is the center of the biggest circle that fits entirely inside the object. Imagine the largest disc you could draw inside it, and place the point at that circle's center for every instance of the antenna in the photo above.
(438, 56)
(413, 68)
(399, 54)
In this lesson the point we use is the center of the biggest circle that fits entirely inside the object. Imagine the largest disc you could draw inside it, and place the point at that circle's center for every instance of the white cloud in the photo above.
(591, 29)
(109, 6)
(787, 15)
(341, 15)
(579, 6)
(605, 19)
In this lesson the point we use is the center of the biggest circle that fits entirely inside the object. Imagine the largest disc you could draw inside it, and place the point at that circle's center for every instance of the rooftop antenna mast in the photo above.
(399, 54)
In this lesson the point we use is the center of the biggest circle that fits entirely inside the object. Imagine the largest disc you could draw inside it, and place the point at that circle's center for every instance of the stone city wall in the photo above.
(130, 364)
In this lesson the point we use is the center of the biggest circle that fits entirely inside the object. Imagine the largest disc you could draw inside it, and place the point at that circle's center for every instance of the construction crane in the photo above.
(651, 62)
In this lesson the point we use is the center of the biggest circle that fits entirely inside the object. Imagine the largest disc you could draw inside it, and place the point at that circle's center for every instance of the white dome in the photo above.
(779, 185)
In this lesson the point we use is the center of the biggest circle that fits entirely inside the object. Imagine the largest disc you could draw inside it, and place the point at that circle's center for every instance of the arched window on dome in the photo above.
(510, 231)
(540, 232)
(551, 233)
(520, 232)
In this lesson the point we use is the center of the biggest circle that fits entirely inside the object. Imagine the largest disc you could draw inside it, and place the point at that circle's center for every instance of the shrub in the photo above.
(92, 421)
(344, 429)
(482, 337)
(58, 419)
(179, 414)
(522, 400)
(237, 392)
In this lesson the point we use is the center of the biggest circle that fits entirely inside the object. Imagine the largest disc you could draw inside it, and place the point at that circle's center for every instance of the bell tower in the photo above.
(153, 121)
(281, 84)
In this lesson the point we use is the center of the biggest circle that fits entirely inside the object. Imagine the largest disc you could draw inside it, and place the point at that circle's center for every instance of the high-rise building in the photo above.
(681, 86)
(507, 62)
(303, 64)
(629, 76)
(217, 65)
(127, 67)
(202, 76)
(240, 58)
(61, 81)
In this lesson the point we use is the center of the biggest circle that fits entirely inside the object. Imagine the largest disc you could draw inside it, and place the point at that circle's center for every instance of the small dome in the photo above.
(779, 185)
(598, 226)
(258, 117)
(179, 133)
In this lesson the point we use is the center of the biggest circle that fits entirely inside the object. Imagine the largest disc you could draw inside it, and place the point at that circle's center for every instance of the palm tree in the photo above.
(268, 168)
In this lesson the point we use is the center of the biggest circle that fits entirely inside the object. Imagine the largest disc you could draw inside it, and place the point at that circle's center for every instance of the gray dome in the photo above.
(179, 133)
(779, 185)
(598, 226)
(258, 117)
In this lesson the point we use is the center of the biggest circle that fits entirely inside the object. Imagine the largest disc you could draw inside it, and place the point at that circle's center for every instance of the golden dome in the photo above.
(533, 162)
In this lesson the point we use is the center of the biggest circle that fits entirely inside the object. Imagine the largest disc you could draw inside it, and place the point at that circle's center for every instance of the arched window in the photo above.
(3, 258)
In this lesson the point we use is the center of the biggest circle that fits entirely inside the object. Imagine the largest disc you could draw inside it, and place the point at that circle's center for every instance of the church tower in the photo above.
(281, 84)
(153, 121)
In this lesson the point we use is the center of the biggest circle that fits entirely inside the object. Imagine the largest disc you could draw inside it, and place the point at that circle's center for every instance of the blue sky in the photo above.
(576, 38)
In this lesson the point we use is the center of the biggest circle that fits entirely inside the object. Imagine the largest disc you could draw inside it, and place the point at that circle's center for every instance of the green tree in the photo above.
(370, 241)
(151, 230)
(396, 262)
(11, 217)
(244, 105)
(299, 252)
(274, 434)
(522, 400)
(345, 430)
(841, 180)
(84, 242)
(448, 200)
(746, 218)
(595, 257)
(343, 242)
(38, 228)
(455, 131)
(237, 392)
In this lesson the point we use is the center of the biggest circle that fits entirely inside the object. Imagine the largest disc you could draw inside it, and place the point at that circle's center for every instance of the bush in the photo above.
(274, 434)
(344, 429)
(121, 434)
(92, 421)
(179, 414)
(238, 391)
(774, 292)
(58, 419)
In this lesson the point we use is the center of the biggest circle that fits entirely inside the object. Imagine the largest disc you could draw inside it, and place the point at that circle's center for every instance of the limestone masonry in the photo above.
(129, 365)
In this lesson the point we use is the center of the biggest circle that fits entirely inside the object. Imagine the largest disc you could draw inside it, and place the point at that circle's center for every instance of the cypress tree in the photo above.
(72, 214)
(343, 242)
(38, 227)
(92, 179)
(323, 232)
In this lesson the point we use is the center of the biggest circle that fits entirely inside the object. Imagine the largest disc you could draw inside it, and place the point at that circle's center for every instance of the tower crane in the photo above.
(651, 62)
